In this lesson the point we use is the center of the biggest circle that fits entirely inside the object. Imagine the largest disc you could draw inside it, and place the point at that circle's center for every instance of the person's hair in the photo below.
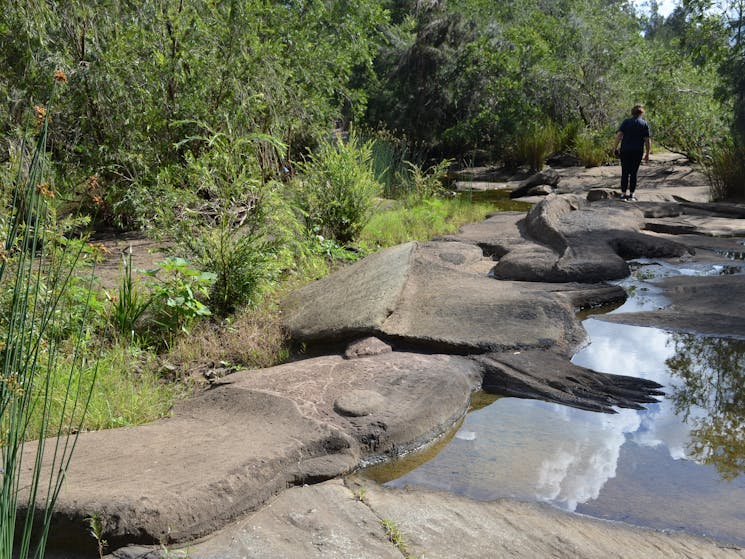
(638, 110)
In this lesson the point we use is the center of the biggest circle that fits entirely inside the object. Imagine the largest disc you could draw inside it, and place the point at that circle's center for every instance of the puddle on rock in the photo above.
(500, 198)
(679, 464)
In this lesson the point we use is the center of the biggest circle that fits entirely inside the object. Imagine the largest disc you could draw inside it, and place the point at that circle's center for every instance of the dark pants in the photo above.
(630, 161)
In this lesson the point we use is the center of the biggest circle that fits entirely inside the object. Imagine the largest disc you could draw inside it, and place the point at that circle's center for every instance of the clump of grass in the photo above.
(396, 537)
(129, 390)
(535, 144)
(725, 170)
(236, 223)
(390, 156)
(95, 529)
(592, 149)
(360, 494)
(567, 137)
(131, 301)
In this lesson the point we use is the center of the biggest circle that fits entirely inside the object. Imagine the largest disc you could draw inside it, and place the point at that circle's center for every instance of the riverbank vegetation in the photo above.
(265, 143)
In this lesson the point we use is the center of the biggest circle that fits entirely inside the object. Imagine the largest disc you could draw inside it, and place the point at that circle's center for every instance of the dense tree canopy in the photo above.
(450, 76)
(143, 74)
(473, 74)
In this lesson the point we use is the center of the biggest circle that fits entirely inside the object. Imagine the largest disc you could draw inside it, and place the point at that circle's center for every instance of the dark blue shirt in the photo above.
(634, 131)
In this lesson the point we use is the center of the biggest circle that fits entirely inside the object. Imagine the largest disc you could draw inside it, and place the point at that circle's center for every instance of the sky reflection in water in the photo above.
(677, 464)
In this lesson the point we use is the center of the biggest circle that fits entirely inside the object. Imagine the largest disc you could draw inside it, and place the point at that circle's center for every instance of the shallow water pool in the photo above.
(679, 464)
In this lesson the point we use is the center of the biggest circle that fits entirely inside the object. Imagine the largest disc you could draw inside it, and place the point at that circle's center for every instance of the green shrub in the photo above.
(337, 188)
(726, 171)
(153, 310)
(427, 183)
(237, 225)
(177, 296)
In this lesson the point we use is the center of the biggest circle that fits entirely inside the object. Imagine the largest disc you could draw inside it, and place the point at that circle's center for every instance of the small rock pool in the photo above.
(679, 464)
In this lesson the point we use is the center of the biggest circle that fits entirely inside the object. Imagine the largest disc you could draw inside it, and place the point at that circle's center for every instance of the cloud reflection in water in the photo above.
(677, 464)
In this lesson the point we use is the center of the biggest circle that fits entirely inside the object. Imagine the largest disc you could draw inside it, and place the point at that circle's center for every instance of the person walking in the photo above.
(634, 139)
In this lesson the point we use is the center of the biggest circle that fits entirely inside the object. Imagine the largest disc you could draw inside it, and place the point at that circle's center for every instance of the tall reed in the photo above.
(35, 266)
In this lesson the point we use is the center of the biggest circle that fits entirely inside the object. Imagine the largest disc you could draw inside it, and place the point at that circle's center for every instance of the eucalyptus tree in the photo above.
(715, 31)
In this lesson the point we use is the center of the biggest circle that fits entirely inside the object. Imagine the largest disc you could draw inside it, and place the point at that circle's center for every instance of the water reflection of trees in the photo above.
(711, 399)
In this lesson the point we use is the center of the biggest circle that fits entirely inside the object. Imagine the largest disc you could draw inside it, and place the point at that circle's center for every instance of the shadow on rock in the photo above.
(543, 375)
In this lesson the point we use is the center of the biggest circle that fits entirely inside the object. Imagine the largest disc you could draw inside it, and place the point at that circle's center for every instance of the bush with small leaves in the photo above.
(337, 188)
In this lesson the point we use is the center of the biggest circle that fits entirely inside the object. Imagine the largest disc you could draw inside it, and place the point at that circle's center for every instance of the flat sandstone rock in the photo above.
(711, 306)
(228, 451)
(437, 301)
(335, 520)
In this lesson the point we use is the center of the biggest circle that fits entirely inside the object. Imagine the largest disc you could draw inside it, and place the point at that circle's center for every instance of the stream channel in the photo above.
(677, 465)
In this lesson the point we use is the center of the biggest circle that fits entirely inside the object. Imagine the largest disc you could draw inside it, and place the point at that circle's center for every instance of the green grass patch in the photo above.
(421, 222)
(128, 390)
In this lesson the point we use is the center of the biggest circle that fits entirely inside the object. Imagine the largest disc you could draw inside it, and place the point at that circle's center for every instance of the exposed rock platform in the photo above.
(259, 432)
(420, 327)
(337, 520)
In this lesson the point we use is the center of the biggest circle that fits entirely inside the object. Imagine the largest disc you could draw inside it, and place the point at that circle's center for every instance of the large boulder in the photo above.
(547, 177)
(567, 239)
(367, 293)
(434, 295)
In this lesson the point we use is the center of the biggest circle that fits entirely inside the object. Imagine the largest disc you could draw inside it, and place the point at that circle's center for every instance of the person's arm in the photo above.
(619, 137)
(647, 148)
